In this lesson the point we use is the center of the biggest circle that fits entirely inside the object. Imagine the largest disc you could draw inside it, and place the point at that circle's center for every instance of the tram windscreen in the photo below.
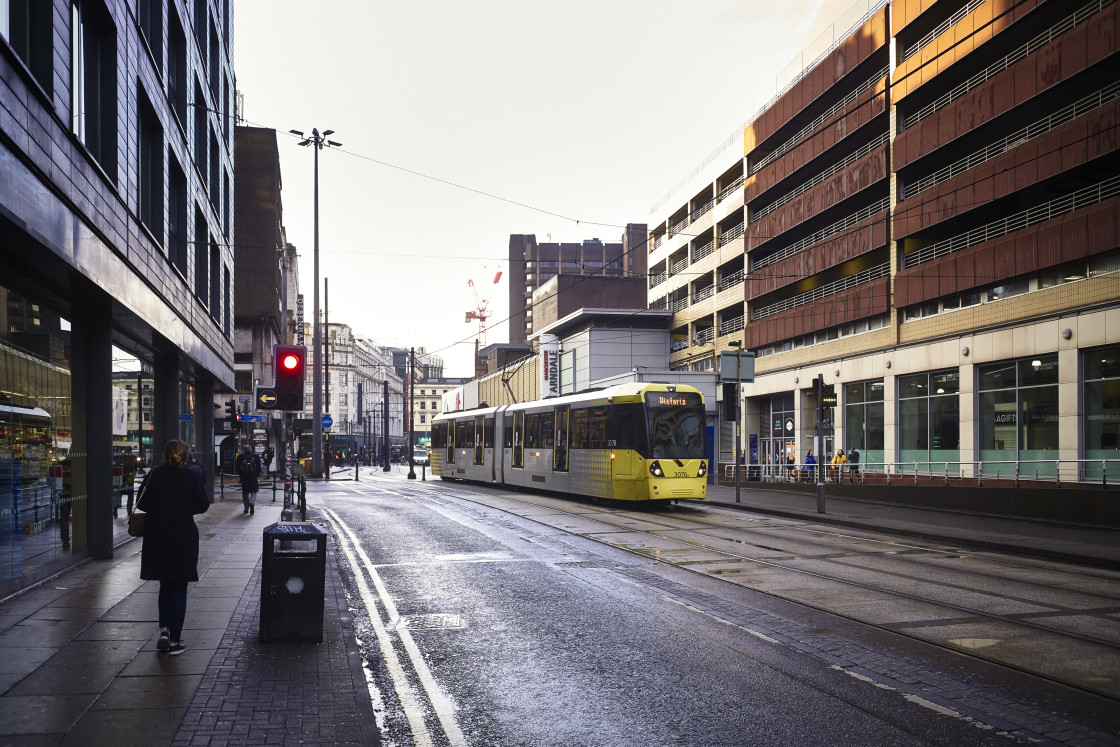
(676, 425)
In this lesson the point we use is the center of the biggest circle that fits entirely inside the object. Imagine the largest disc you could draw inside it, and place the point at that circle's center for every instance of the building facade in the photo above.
(531, 265)
(926, 219)
(115, 230)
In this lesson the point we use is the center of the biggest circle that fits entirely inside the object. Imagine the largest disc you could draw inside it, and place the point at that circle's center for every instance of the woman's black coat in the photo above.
(249, 482)
(172, 496)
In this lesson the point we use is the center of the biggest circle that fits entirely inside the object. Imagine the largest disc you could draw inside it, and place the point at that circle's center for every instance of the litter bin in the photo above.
(293, 581)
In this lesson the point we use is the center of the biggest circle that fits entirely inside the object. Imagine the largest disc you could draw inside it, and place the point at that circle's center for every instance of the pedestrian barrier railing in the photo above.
(1104, 472)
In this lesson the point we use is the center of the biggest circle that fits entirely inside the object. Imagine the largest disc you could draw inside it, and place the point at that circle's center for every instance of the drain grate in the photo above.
(578, 564)
(437, 621)
(992, 538)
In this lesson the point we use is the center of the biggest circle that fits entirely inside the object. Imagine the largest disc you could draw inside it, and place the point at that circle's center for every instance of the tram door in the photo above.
(519, 439)
(560, 448)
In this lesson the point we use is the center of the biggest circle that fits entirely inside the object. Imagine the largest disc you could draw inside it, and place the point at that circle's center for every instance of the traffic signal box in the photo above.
(289, 364)
(231, 414)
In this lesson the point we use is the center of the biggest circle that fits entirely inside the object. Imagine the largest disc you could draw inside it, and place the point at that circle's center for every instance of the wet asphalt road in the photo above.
(483, 627)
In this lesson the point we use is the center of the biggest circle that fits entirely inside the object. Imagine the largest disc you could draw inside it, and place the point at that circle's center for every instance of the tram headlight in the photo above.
(703, 469)
(655, 469)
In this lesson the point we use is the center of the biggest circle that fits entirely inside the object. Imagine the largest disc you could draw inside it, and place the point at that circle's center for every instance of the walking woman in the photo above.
(172, 495)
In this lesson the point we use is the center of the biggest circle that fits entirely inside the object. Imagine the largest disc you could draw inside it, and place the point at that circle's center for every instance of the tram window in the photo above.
(488, 435)
(532, 431)
(560, 455)
(546, 430)
(631, 425)
(579, 429)
(507, 432)
(464, 435)
(439, 436)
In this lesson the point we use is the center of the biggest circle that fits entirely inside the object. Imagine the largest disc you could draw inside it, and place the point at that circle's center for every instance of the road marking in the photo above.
(440, 703)
(717, 618)
(412, 709)
(861, 677)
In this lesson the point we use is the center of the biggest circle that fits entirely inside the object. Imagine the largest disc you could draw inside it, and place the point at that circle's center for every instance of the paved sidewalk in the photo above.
(78, 663)
(1074, 543)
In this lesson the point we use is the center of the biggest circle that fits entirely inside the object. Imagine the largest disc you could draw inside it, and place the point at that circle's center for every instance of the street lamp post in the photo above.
(737, 344)
(319, 142)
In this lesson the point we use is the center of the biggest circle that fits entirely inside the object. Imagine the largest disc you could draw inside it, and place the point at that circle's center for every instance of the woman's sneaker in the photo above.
(163, 642)
(177, 649)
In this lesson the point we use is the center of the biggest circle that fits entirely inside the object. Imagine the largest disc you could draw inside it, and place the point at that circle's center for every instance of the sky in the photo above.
(464, 122)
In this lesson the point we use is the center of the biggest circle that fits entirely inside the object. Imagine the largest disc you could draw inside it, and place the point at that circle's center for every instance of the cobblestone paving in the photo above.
(283, 693)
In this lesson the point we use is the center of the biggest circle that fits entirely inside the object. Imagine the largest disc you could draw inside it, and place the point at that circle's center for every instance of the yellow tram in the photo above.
(630, 442)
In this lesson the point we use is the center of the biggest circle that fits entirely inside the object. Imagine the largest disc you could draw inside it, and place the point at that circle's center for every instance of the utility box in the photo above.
(293, 582)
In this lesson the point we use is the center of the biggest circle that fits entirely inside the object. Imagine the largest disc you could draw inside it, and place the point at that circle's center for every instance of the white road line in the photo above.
(412, 708)
(440, 703)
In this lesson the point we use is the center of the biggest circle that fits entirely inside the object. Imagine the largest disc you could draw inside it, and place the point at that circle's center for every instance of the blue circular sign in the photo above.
(327, 421)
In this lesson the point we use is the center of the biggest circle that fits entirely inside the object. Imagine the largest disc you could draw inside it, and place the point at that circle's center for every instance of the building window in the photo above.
(422, 392)
(929, 416)
(215, 172)
(215, 281)
(423, 405)
(150, 14)
(94, 84)
(863, 420)
(177, 67)
(1018, 415)
(435, 405)
(26, 26)
(215, 62)
(177, 242)
(227, 307)
(243, 381)
(1102, 412)
(201, 276)
(342, 398)
(423, 419)
(150, 137)
(200, 138)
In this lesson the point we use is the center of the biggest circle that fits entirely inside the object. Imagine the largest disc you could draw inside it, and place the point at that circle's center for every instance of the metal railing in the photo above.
(940, 29)
(732, 233)
(832, 111)
(679, 304)
(1015, 139)
(703, 251)
(801, 299)
(1100, 192)
(703, 336)
(658, 279)
(728, 281)
(1007, 61)
(677, 345)
(729, 188)
(679, 266)
(658, 304)
(701, 210)
(706, 292)
(679, 226)
(731, 325)
(658, 240)
(1104, 472)
(836, 168)
(838, 227)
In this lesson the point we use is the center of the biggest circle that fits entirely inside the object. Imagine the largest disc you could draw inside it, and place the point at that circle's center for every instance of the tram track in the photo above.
(957, 613)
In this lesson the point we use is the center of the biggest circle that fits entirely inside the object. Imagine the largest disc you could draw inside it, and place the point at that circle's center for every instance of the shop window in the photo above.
(1018, 416)
(26, 26)
(863, 422)
(1102, 414)
(929, 421)
(150, 146)
(94, 84)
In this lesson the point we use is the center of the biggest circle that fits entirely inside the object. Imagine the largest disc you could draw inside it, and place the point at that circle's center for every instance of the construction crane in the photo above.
(479, 313)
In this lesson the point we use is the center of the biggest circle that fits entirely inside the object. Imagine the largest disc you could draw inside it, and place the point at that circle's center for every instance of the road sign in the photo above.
(327, 421)
(252, 418)
(186, 417)
(266, 398)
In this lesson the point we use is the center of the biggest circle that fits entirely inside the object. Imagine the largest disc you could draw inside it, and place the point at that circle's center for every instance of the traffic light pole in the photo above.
(820, 443)
(411, 407)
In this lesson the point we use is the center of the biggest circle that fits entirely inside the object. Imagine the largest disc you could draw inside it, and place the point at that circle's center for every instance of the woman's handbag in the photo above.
(136, 518)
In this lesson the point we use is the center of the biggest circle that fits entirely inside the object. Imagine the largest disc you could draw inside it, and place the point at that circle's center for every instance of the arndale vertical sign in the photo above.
(550, 366)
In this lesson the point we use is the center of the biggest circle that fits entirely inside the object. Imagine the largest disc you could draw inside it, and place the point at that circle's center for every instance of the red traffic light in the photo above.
(290, 362)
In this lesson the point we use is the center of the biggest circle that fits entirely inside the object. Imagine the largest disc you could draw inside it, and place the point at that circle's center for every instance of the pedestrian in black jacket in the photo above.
(171, 496)
(248, 466)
